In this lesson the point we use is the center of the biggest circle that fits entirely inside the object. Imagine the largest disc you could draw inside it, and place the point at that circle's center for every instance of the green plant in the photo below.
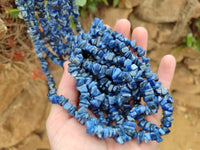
(89, 5)
(115, 3)
(14, 13)
(92, 5)
(192, 42)
(83, 4)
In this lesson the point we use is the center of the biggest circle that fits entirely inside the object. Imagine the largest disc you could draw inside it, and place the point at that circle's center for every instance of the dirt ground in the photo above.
(24, 107)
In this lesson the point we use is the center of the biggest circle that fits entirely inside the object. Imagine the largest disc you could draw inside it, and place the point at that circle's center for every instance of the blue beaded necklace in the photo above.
(111, 80)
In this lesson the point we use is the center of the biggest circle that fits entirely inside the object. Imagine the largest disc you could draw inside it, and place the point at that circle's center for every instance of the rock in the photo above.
(173, 25)
(158, 11)
(171, 17)
(188, 52)
(24, 102)
(33, 142)
(129, 3)
(181, 29)
(152, 44)
(13, 88)
(179, 57)
(190, 58)
(188, 99)
(111, 15)
(164, 33)
(157, 33)
(196, 13)
(157, 54)
(184, 81)
(193, 64)
(185, 85)
(152, 29)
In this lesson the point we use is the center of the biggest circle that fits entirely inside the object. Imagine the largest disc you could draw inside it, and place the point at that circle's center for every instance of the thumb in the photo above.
(58, 115)
(68, 90)
(67, 86)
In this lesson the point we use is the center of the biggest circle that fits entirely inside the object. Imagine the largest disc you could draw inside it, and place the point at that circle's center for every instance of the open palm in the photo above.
(66, 133)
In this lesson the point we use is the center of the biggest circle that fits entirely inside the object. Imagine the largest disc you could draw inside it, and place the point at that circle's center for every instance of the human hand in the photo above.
(66, 133)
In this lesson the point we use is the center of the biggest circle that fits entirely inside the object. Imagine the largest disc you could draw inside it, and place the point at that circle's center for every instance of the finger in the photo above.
(165, 74)
(166, 70)
(67, 86)
(58, 115)
(107, 26)
(140, 34)
(67, 89)
(123, 26)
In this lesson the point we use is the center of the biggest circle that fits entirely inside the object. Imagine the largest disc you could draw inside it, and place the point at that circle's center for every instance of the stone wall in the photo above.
(23, 104)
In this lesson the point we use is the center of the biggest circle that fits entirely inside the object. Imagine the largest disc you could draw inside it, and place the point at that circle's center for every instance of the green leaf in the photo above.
(93, 7)
(196, 45)
(115, 3)
(14, 13)
(105, 2)
(190, 40)
(81, 2)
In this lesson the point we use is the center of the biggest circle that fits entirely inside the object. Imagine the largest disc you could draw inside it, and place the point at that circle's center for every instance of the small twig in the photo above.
(23, 44)
(19, 69)
(15, 24)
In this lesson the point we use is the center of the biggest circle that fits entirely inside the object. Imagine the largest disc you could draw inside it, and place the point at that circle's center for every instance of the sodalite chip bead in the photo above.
(113, 82)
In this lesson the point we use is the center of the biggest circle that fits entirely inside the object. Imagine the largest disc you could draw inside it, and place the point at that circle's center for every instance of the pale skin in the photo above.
(66, 133)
